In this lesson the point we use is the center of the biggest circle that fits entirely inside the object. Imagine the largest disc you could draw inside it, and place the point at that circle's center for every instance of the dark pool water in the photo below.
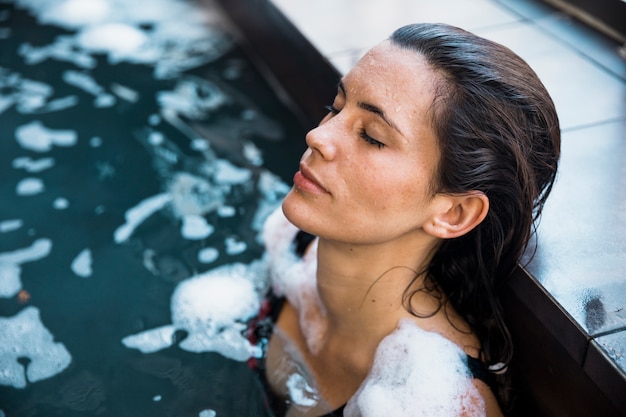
(139, 148)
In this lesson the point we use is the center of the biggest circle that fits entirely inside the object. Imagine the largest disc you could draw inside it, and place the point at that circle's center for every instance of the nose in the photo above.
(322, 139)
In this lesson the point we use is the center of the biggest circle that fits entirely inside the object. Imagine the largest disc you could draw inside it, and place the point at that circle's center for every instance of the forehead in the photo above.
(398, 80)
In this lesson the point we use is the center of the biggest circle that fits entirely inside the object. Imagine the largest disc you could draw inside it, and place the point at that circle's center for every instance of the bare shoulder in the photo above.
(491, 403)
(415, 369)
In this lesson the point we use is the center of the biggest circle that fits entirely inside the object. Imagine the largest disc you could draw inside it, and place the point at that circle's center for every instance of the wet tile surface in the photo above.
(341, 29)
(586, 41)
(614, 345)
(583, 92)
(581, 256)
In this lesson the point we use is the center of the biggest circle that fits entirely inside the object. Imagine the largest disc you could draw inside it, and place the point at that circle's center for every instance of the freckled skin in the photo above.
(374, 194)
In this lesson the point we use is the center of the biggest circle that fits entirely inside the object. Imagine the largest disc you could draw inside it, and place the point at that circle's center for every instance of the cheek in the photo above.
(405, 191)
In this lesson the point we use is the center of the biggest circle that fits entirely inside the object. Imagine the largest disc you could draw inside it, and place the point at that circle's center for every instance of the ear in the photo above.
(457, 214)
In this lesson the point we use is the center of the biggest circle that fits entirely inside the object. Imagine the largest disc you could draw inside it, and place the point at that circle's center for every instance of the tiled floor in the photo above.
(581, 259)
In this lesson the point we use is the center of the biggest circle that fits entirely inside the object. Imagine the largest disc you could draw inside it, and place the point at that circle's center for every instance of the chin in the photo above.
(298, 212)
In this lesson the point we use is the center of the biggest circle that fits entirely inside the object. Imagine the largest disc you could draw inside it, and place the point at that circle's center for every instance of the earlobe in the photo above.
(458, 214)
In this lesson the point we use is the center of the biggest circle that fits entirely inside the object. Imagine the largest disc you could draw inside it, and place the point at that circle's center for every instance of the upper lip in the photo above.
(310, 175)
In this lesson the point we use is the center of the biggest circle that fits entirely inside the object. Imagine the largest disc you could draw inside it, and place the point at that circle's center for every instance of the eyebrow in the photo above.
(372, 109)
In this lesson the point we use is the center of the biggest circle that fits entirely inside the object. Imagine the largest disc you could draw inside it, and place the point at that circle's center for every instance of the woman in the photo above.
(421, 187)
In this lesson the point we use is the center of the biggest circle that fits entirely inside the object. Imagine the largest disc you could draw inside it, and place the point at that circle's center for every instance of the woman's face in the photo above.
(367, 173)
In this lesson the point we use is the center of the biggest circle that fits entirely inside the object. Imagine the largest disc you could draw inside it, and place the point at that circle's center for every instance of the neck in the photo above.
(361, 286)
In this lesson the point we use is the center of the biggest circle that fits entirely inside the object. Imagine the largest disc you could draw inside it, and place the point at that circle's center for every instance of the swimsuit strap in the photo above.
(480, 371)
(302, 241)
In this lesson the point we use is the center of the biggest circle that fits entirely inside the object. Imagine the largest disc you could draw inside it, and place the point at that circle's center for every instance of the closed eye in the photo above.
(367, 138)
(331, 109)
(362, 133)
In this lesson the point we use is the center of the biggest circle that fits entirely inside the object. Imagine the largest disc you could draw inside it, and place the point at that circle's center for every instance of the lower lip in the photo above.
(305, 184)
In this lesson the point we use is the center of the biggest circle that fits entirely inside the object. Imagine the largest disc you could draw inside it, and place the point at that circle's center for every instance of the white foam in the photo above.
(125, 93)
(81, 265)
(88, 84)
(5, 103)
(10, 270)
(25, 336)
(300, 392)
(252, 154)
(273, 191)
(31, 96)
(10, 284)
(121, 40)
(95, 142)
(417, 374)
(207, 413)
(208, 255)
(295, 277)
(33, 165)
(60, 203)
(63, 50)
(38, 250)
(10, 225)
(152, 340)
(156, 138)
(180, 36)
(234, 246)
(29, 186)
(83, 81)
(104, 100)
(193, 98)
(55, 105)
(226, 211)
(154, 119)
(227, 173)
(77, 13)
(35, 88)
(34, 136)
(195, 227)
(212, 308)
(137, 214)
(192, 194)
(199, 144)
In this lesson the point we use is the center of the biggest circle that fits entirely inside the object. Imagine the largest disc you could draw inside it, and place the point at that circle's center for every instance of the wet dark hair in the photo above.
(498, 133)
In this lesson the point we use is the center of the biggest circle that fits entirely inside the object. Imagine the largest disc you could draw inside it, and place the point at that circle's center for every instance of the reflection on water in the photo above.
(140, 155)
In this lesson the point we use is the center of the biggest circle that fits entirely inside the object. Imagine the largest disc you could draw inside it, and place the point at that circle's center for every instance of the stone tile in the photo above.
(339, 25)
(614, 345)
(588, 42)
(581, 255)
(529, 9)
(605, 364)
(583, 92)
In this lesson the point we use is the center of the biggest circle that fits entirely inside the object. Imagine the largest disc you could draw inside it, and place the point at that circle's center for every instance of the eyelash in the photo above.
(362, 133)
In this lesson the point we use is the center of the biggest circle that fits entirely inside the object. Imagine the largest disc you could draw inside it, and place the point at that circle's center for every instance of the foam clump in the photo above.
(137, 214)
(10, 225)
(417, 373)
(33, 165)
(196, 227)
(29, 186)
(25, 336)
(295, 277)
(10, 265)
(180, 35)
(213, 308)
(73, 13)
(122, 40)
(34, 136)
(81, 265)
